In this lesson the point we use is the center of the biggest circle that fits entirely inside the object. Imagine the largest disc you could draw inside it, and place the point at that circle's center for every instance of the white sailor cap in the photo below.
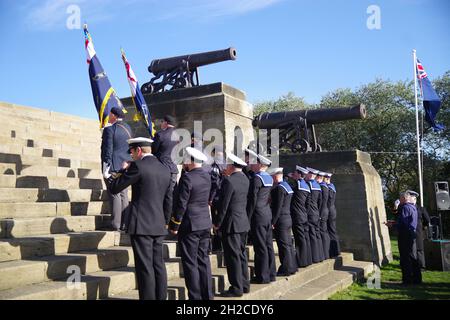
(195, 154)
(313, 171)
(328, 175)
(263, 160)
(322, 174)
(251, 152)
(139, 142)
(236, 160)
(412, 193)
(301, 169)
(273, 171)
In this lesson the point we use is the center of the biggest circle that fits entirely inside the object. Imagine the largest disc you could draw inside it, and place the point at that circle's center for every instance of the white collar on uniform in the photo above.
(146, 155)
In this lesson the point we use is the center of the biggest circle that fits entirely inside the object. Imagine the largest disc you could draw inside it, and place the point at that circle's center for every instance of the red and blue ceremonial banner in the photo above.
(142, 112)
(431, 101)
(103, 93)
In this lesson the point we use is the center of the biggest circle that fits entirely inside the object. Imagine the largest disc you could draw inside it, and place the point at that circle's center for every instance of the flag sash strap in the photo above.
(104, 120)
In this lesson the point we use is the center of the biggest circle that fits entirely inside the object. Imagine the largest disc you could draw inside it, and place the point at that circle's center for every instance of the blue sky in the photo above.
(307, 47)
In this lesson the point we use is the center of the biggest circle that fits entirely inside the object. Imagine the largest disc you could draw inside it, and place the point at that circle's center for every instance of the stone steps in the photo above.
(50, 171)
(14, 228)
(74, 153)
(97, 285)
(21, 161)
(20, 210)
(177, 290)
(51, 244)
(56, 141)
(275, 290)
(325, 286)
(25, 272)
(13, 195)
(42, 182)
(280, 289)
(28, 120)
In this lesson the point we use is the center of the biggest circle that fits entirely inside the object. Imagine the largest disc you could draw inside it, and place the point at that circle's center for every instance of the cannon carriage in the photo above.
(182, 71)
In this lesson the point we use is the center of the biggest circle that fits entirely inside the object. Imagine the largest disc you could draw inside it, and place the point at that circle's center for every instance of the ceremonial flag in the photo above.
(104, 95)
(142, 112)
(431, 101)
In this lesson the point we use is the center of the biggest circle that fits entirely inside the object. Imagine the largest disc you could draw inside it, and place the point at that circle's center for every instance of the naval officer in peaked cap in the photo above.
(191, 220)
(148, 217)
(233, 223)
(260, 217)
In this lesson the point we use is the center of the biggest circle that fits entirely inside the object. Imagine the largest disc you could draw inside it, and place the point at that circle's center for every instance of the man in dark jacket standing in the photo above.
(407, 226)
(149, 216)
(114, 153)
(260, 217)
(324, 215)
(314, 216)
(299, 213)
(232, 222)
(164, 141)
(216, 170)
(335, 249)
(280, 203)
(423, 219)
(192, 222)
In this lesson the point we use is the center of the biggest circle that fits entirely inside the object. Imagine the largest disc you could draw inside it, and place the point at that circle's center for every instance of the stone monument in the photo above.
(217, 106)
(359, 201)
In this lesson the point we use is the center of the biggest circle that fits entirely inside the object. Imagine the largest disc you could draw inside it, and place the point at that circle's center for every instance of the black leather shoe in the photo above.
(231, 294)
(246, 290)
(257, 281)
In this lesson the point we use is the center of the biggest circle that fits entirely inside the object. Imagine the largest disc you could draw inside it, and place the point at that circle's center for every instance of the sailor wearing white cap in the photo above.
(192, 222)
(281, 196)
(332, 230)
(301, 170)
(250, 157)
(149, 214)
(299, 214)
(323, 209)
(314, 216)
(313, 171)
(233, 224)
(260, 216)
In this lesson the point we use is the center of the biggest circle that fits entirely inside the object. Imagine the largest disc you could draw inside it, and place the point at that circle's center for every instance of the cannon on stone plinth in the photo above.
(297, 127)
(182, 71)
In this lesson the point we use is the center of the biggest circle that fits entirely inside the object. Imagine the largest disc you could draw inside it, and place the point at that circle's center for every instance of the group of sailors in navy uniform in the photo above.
(237, 199)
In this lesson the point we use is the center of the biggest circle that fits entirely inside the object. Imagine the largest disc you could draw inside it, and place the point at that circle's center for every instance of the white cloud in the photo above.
(51, 14)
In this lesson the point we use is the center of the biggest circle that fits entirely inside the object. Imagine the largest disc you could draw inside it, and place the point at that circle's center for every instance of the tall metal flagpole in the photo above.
(419, 160)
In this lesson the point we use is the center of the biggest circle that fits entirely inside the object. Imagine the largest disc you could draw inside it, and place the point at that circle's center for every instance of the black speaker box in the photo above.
(440, 197)
(437, 254)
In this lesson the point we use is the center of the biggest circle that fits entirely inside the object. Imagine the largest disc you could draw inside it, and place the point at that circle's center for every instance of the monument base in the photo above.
(216, 105)
(359, 201)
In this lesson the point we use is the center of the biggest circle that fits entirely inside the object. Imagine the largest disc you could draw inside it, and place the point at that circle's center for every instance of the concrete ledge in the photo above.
(20, 210)
(24, 272)
(13, 228)
(51, 244)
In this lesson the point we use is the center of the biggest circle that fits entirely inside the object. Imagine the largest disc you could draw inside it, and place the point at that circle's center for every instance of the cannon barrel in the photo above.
(274, 120)
(194, 60)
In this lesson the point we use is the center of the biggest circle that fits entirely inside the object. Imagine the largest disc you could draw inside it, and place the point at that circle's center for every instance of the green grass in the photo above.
(436, 285)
